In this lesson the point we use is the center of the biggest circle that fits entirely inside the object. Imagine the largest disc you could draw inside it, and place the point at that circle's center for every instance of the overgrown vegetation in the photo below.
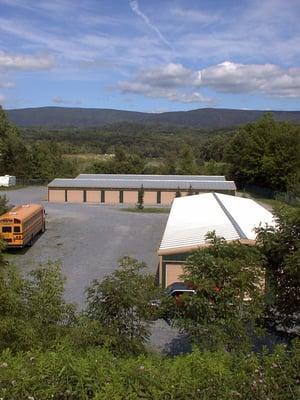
(228, 280)
(50, 350)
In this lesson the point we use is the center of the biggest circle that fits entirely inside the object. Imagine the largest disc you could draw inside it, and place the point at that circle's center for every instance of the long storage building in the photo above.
(191, 218)
(118, 189)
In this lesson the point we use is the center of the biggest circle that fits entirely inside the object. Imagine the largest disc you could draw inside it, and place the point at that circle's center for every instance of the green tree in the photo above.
(122, 304)
(33, 313)
(178, 192)
(187, 162)
(122, 163)
(281, 247)
(3, 204)
(227, 279)
(141, 193)
(14, 155)
(265, 153)
(46, 308)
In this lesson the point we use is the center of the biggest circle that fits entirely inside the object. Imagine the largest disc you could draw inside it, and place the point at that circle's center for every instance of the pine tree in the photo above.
(140, 203)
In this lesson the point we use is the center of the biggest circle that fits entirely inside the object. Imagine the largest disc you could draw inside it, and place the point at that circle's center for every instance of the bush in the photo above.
(66, 373)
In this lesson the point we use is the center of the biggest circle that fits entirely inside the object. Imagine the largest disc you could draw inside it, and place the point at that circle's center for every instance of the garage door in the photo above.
(57, 195)
(173, 273)
(150, 197)
(112, 197)
(167, 197)
(93, 196)
(75, 196)
(130, 197)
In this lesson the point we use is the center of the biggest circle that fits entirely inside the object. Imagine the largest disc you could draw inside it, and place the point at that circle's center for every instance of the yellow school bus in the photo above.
(21, 224)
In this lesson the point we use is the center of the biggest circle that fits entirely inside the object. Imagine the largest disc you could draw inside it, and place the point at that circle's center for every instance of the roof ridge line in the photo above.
(236, 226)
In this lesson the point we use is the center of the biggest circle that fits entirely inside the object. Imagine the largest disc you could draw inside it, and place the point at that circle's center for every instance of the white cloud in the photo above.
(269, 79)
(195, 16)
(25, 62)
(169, 75)
(172, 82)
(134, 5)
(177, 83)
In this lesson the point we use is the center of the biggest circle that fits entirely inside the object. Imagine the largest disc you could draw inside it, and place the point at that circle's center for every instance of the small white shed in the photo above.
(7, 180)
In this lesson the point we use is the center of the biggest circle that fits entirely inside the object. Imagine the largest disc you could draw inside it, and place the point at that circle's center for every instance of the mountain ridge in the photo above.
(206, 118)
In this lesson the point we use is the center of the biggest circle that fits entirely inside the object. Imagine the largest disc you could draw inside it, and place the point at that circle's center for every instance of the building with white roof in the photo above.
(192, 217)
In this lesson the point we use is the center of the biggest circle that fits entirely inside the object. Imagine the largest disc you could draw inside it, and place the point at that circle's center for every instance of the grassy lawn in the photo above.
(271, 202)
(8, 188)
(153, 210)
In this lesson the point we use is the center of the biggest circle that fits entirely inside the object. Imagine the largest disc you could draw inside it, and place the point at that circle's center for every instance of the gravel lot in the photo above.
(88, 239)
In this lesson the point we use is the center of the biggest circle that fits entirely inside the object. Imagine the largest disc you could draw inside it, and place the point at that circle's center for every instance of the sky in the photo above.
(150, 55)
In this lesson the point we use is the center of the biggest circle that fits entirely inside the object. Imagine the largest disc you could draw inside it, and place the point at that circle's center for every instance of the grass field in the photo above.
(153, 210)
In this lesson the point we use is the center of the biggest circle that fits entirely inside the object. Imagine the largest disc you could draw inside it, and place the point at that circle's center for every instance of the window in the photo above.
(121, 196)
(158, 197)
(102, 196)
(17, 229)
(6, 229)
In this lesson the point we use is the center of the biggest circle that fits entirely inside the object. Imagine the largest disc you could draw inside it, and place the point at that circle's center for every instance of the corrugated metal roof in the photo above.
(147, 184)
(153, 177)
(231, 217)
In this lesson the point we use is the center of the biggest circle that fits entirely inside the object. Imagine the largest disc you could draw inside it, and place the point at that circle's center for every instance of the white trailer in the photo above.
(7, 180)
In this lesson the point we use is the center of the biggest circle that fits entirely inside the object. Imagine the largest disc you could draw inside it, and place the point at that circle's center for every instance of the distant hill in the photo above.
(205, 118)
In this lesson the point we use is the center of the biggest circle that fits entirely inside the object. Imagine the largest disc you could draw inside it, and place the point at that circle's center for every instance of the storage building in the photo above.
(191, 218)
(118, 189)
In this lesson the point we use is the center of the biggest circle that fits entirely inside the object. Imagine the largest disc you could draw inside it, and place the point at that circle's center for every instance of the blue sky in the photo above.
(150, 55)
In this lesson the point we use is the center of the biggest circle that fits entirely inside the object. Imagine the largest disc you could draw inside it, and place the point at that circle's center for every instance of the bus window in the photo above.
(17, 229)
(6, 229)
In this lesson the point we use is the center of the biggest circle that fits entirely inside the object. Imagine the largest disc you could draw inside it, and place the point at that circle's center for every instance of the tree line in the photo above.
(39, 160)
(264, 153)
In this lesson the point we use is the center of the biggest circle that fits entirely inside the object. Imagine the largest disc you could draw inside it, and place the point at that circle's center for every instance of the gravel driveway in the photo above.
(88, 239)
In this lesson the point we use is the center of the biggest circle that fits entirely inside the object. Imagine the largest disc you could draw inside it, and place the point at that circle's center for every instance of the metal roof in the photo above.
(231, 217)
(139, 180)
(153, 177)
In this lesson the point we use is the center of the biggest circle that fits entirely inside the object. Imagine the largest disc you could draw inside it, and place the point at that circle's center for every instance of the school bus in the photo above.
(21, 224)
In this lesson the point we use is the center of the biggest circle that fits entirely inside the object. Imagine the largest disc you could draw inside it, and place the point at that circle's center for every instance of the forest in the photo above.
(264, 153)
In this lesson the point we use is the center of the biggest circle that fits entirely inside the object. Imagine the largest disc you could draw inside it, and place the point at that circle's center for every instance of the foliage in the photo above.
(41, 160)
(178, 192)
(121, 163)
(33, 312)
(47, 161)
(187, 162)
(70, 373)
(265, 153)
(150, 210)
(228, 300)
(122, 304)
(3, 204)
(141, 193)
(281, 247)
